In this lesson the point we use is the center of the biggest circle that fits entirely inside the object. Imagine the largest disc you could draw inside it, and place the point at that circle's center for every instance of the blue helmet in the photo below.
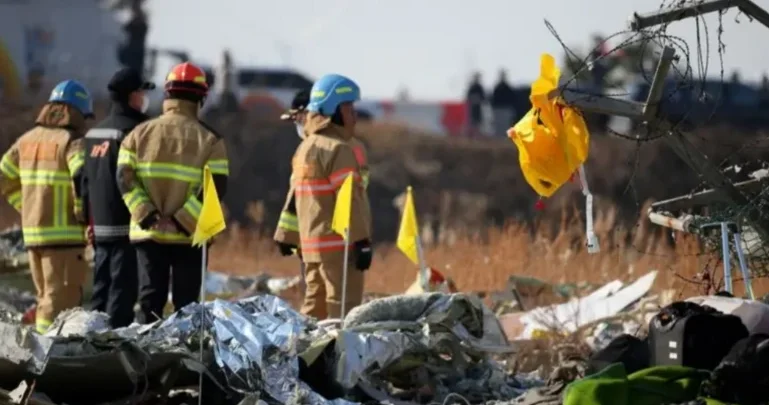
(330, 91)
(74, 94)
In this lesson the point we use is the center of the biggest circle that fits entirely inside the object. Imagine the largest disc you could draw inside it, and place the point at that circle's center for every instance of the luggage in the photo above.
(743, 375)
(692, 335)
(629, 350)
(754, 314)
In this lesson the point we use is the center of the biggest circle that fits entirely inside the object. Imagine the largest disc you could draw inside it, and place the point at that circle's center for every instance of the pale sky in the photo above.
(428, 46)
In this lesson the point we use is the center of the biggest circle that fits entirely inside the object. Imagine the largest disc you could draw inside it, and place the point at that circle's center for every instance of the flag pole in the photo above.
(743, 265)
(303, 275)
(203, 266)
(344, 271)
(424, 275)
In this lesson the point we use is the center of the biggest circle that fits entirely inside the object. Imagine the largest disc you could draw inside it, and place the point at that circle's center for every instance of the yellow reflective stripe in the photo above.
(60, 207)
(126, 158)
(7, 167)
(39, 235)
(78, 204)
(42, 324)
(136, 233)
(169, 171)
(134, 198)
(34, 177)
(15, 200)
(288, 221)
(219, 166)
(75, 162)
(193, 206)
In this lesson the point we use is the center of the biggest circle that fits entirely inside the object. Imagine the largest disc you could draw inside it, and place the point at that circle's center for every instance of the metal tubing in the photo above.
(743, 265)
(679, 224)
(599, 104)
(668, 15)
(654, 97)
(727, 257)
(706, 197)
(695, 159)
(752, 9)
(647, 20)
(592, 103)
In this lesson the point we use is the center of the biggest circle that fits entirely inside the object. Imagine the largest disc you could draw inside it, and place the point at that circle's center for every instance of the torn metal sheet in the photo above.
(255, 341)
(78, 322)
(23, 348)
(604, 302)
(440, 340)
(436, 340)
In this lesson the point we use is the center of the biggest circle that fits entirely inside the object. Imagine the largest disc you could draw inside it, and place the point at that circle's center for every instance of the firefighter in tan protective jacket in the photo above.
(320, 165)
(40, 175)
(287, 232)
(160, 167)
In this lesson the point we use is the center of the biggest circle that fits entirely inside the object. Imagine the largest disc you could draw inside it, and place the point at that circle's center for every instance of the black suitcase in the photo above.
(691, 335)
(629, 350)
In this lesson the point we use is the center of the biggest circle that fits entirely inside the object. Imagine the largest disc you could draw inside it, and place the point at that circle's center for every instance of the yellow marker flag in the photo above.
(407, 234)
(343, 209)
(211, 220)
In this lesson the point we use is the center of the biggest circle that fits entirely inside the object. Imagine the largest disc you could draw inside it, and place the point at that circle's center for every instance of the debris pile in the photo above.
(401, 350)
(12, 253)
(420, 348)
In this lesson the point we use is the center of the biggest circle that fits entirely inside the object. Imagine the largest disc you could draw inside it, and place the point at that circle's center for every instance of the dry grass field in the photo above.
(475, 187)
(626, 254)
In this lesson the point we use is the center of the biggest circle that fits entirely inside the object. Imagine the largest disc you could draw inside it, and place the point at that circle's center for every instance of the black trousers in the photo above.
(115, 281)
(161, 264)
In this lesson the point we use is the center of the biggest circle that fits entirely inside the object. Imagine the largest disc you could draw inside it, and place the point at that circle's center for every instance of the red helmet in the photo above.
(187, 77)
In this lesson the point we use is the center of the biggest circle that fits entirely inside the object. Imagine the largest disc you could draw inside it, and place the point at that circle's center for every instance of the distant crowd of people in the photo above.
(501, 100)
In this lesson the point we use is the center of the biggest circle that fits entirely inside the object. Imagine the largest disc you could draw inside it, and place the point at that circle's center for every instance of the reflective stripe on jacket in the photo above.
(40, 176)
(287, 230)
(160, 171)
(101, 196)
(320, 165)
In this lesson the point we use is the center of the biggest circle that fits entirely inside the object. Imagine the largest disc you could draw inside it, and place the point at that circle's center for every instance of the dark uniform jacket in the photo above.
(103, 201)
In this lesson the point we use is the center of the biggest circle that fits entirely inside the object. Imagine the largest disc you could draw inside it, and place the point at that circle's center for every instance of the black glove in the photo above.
(149, 220)
(363, 254)
(286, 249)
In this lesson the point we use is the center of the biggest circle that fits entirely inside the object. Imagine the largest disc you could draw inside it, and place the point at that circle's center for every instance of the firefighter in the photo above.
(115, 280)
(287, 232)
(41, 177)
(320, 166)
(160, 166)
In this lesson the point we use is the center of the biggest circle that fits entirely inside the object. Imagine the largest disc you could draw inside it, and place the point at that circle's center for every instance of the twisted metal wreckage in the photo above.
(261, 348)
(744, 222)
(391, 350)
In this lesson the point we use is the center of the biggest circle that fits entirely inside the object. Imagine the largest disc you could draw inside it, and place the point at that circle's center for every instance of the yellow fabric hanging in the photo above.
(552, 138)
(553, 143)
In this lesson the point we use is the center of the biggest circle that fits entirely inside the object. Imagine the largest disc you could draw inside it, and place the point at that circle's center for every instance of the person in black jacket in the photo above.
(115, 284)
(503, 105)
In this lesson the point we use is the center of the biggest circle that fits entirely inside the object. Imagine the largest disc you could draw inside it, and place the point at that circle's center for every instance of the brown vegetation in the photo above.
(471, 195)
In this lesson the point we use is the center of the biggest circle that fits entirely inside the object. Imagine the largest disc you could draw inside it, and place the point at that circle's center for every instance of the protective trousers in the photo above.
(115, 281)
(59, 275)
(323, 294)
(161, 264)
